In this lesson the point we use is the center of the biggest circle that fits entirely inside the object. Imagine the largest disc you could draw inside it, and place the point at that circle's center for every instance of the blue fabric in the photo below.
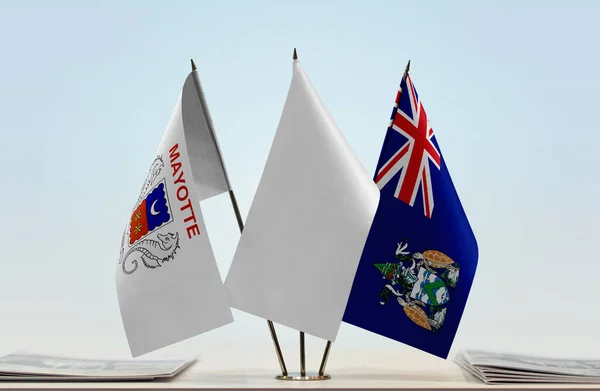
(396, 275)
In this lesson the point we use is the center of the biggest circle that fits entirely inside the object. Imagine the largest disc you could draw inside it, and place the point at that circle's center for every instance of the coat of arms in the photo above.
(418, 286)
(142, 239)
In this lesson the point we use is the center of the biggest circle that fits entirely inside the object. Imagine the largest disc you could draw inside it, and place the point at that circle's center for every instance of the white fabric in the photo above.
(174, 292)
(309, 220)
(209, 171)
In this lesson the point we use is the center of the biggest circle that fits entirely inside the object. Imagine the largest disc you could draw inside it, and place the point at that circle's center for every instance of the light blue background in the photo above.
(510, 87)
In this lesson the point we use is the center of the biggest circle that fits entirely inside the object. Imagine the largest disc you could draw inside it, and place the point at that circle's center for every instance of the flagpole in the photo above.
(302, 356)
(302, 347)
(234, 203)
(302, 375)
(328, 346)
(240, 222)
(324, 359)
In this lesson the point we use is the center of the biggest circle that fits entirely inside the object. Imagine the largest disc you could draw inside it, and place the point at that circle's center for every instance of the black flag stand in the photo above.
(234, 203)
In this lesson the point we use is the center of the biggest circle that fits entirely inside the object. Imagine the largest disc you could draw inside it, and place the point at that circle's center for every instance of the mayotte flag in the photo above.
(419, 260)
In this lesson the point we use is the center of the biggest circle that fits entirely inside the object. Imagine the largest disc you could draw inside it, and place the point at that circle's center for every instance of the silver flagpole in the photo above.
(321, 375)
(302, 355)
(324, 359)
(328, 346)
(234, 203)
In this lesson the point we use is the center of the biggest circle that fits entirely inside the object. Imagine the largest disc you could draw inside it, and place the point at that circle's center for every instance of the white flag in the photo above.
(309, 220)
(168, 284)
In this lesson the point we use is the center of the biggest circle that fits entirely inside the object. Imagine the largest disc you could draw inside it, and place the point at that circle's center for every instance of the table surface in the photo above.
(349, 370)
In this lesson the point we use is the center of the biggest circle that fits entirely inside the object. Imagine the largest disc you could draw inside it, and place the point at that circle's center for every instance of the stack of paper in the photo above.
(19, 367)
(498, 368)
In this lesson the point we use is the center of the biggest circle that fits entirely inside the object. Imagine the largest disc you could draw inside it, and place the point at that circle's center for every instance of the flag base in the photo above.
(302, 375)
(307, 376)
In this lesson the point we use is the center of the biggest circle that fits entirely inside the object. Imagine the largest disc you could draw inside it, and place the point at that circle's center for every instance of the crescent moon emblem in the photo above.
(153, 212)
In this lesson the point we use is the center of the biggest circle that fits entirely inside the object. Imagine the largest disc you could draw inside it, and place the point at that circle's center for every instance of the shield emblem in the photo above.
(152, 213)
(430, 289)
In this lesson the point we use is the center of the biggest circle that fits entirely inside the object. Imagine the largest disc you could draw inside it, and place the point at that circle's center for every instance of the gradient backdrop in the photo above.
(511, 89)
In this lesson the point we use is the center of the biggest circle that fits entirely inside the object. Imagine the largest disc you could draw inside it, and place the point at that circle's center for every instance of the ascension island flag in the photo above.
(419, 261)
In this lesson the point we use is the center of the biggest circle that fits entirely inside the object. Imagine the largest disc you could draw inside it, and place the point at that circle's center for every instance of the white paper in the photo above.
(35, 366)
(495, 368)
(308, 223)
(168, 283)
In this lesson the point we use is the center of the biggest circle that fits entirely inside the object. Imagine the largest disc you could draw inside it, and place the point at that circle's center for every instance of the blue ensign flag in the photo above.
(419, 260)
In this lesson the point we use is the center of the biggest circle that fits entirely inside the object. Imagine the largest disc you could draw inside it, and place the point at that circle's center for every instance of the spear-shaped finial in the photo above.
(193, 65)
(407, 67)
(295, 54)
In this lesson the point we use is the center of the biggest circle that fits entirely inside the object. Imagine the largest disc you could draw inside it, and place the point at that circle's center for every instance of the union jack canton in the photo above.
(410, 120)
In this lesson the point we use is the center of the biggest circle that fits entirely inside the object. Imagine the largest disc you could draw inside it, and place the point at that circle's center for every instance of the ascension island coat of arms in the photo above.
(421, 283)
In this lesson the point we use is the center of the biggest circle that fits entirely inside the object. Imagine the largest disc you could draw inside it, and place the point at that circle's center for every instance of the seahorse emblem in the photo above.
(153, 173)
(153, 253)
